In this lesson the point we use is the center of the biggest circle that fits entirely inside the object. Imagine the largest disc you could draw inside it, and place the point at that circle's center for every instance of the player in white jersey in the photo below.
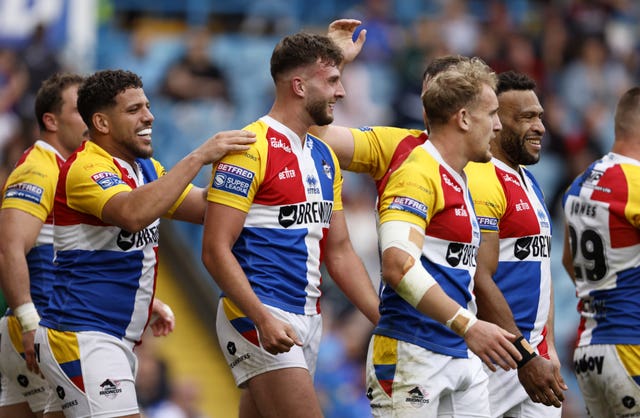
(602, 256)
(109, 198)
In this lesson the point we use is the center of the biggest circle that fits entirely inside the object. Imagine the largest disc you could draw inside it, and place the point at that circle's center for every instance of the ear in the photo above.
(297, 86)
(101, 122)
(50, 122)
(463, 119)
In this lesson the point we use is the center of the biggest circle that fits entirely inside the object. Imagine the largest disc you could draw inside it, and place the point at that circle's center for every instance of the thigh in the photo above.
(19, 384)
(284, 393)
(91, 373)
(238, 339)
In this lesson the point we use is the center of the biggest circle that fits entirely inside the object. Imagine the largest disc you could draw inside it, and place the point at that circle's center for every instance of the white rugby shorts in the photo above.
(238, 339)
(407, 381)
(92, 374)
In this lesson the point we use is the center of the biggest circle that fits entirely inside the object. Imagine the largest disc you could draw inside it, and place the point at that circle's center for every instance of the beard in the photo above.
(318, 112)
(515, 148)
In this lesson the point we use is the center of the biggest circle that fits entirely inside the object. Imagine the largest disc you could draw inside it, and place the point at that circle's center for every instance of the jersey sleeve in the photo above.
(410, 195)
(337, 184)
(90, 185)
(488, 196)
(374, 148)
(237, 177)
(31, 185)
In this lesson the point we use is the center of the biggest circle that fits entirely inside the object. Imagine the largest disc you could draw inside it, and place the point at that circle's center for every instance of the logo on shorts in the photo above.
(60, 392)
(231, 347)
(370, 393)
(629, 402)
(110, 389)
(23, 381)
(417, 397)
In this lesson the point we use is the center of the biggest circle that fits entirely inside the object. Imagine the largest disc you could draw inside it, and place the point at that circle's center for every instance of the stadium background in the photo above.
(582, 53)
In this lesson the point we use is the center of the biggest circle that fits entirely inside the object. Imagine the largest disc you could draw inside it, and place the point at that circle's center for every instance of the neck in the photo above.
(627, 147)
(293, 117)
(449, 150)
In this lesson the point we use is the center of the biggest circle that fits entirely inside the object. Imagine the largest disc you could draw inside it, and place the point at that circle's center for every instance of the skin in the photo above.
(518, 143)
(19, 231)
(304, 97)
(522, 132)
(117, 130)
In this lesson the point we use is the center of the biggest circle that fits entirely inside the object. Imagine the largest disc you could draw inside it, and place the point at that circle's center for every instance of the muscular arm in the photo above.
(222, 226)
(18, 233)
(538, 376)
(193, 206)
(136, 209)
(492, 306)
(347, 270)
(339, 139)
(490, 342)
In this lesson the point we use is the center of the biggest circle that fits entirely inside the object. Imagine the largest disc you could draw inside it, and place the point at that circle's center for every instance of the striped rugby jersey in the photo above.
(30, 188)
(105, 276)
(289, 191)
(602, 210)
(511, 204)
(426, 192)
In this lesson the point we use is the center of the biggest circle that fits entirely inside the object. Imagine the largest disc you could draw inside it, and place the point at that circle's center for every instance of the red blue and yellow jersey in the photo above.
(426, 192)
(379, 150)
(602, 210)
(105, 276)
(31, 188)
(510, 203)
(289, 190)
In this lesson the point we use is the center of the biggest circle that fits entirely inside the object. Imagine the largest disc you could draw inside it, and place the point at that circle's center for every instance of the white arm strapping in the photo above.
(405, 236)
(27, 316)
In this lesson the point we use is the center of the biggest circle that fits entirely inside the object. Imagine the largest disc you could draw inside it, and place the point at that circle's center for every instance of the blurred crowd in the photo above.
(214, 75)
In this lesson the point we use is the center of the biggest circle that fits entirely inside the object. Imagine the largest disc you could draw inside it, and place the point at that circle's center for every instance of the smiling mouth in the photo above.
(145, 133)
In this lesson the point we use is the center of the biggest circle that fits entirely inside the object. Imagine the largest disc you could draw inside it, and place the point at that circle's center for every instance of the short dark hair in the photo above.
(512, 80)
(99, 90)
(302, 49)
(49, 96)
(439, 64)
(627, 111)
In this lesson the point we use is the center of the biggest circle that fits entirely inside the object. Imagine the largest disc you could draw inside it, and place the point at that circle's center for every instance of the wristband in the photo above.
(526, 351)
(27, 316)
(461, 321)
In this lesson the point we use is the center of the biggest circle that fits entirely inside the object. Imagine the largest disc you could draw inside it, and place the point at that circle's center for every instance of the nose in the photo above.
(538, 127)
(340, 92)
(497, 125)
(148, 116)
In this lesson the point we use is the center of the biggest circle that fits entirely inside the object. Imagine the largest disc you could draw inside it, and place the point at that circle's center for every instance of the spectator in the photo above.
(195, 76)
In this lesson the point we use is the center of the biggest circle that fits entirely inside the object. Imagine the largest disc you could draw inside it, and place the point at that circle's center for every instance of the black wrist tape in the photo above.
(526, 351)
